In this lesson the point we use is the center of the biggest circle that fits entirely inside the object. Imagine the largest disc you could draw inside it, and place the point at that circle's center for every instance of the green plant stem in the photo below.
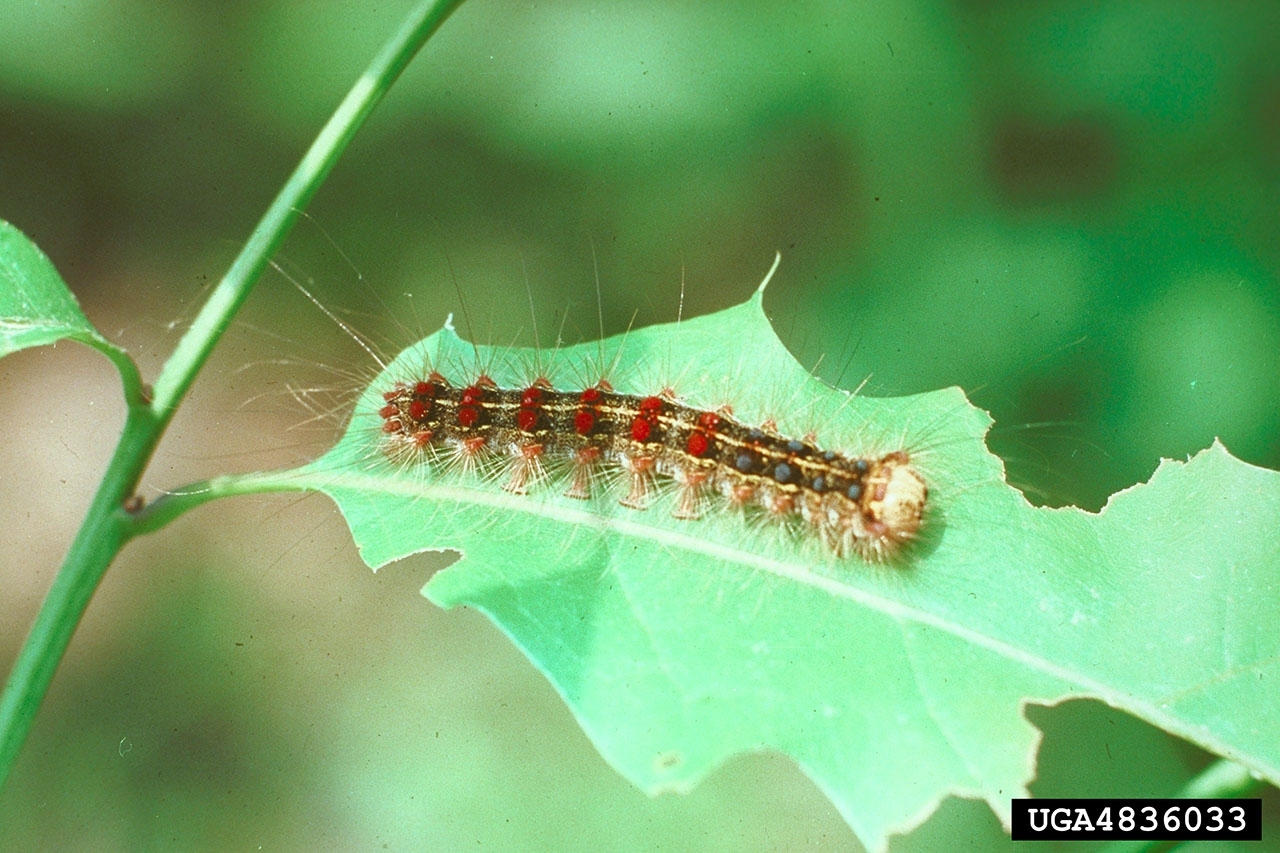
(181, 501)
(125, 365)
(107, 525)
(1222, 778)
(215, 316)
(103, 533)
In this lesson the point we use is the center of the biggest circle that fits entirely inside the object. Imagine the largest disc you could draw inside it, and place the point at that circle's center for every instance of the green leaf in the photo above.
(678, 644)
(36, 308)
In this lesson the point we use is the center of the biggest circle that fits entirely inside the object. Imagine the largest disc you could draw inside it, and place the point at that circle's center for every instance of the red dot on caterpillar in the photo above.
(531, 416)
(584, 422)
(698, 445)
(588, 413)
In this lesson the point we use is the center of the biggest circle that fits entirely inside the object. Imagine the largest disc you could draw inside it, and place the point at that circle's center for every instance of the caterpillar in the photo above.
(857, 504)
(869, 505)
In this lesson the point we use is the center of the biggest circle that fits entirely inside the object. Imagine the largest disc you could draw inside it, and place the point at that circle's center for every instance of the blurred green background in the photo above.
(1067, 208)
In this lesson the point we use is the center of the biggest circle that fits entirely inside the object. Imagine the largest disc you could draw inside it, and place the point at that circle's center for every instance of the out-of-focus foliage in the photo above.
(1067, 208)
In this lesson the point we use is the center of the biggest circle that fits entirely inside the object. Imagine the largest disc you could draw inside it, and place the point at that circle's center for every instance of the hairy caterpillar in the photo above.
(532, 437)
